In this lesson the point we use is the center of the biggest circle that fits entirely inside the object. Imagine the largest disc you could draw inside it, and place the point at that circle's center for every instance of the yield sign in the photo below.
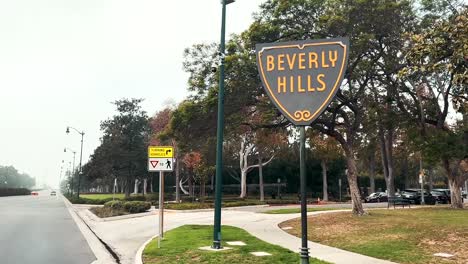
(154, 163)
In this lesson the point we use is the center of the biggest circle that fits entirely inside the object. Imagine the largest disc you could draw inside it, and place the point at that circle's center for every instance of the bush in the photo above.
(134, 207)
(75, 200)
(136, 198)
(14, 191)
(115, 205)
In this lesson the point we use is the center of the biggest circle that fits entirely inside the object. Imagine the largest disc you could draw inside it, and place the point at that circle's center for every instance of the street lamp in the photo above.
(81, 155)
(220, 132)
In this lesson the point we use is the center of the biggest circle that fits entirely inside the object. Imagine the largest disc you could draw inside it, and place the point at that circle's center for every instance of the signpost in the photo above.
(301, 78)
(160, 159)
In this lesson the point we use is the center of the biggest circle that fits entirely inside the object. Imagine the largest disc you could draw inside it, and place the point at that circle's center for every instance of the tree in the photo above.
(325, 149)
(193, 162)
(161, 134)
(125, 136)
(435, 86)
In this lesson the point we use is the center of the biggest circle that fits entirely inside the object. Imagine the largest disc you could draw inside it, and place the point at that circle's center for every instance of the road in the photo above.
(40, 230)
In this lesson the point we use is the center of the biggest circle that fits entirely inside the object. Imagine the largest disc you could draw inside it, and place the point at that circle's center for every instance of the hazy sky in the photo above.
(63, 61)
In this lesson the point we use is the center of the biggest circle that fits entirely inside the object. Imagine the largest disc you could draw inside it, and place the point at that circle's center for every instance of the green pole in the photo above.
(219, 138)
(304, 249)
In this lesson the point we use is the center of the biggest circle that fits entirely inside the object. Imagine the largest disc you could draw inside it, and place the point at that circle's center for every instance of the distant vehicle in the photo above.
(440, 197)
(414, 196)
(376, 197)
(53, 193)
(446, 192)
(34, 193)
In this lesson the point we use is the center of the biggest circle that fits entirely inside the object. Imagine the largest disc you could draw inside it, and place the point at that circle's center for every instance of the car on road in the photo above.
(414, 196)
(376, 197)
(53, 193)
(34, 193)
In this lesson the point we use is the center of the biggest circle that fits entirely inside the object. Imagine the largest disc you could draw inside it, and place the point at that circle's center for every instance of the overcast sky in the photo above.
(62, 63)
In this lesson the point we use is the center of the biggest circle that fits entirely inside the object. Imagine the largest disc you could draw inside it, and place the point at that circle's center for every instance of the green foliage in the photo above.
(115, 205)
(14, 191)
(134, 207)
(11, 178)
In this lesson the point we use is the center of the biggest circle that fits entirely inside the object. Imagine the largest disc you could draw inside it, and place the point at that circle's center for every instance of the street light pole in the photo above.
(81, 156)
(220, 133)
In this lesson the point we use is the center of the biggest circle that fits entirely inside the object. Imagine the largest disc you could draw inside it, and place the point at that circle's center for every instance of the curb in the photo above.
(212, 209)
(100, 252)
(139, 254)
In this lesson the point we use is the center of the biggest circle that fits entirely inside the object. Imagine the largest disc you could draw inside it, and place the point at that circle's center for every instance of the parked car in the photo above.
(446, 192)
(440, 197)
(53, 193)
(414, 196)
(376, 197)
(34, 193)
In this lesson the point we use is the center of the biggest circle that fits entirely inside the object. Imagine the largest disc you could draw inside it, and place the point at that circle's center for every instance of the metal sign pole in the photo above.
(161, 203)
(304, 248)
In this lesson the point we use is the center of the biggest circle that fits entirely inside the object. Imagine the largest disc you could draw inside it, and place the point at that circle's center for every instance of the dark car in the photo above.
(414, 196)
(446, 192)
(440, 197)
(376, 197)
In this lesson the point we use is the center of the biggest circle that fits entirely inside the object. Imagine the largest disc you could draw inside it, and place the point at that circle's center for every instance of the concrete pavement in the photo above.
(40, 230)
(126, 236)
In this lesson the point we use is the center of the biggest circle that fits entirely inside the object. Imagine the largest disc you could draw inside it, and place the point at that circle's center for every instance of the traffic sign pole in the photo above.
(161, 207)
(302, 167)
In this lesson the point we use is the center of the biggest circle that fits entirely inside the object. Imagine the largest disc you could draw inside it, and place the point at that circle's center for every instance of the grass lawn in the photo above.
(298, 210)
(181, 245)
(404, 236)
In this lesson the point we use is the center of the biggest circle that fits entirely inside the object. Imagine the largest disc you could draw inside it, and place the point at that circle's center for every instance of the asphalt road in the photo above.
(40, 230)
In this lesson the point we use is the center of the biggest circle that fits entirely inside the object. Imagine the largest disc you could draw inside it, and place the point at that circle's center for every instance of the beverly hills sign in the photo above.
(302, 77)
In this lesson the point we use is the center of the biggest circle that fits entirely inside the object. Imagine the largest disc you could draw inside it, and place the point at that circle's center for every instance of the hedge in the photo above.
(14, 191)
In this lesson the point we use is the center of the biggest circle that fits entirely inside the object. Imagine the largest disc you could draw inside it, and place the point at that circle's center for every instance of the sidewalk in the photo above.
(126, 236)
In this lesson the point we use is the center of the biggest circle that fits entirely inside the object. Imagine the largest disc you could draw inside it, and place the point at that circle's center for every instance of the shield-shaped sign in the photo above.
(302, 77)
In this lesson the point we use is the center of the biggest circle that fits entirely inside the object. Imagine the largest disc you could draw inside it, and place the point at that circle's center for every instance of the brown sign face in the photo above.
(301, 78)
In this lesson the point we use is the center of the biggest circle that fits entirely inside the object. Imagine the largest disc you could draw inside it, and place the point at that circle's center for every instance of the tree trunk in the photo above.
(145, 186)
(151, 184)
(405, 172)
(135, 189)
(190, 184)
(386, 149)
(177, 178)
(372, 172)
(455, 183)
(243, 193)
(352, 181)
(324, 180)
(127, 187)
(391, 173)
(430, 180)
(260, 179)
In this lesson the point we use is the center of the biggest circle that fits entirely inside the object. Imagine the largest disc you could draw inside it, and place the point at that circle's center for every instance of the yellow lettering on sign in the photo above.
(301, 61)
(333, 56)
(270, 63)
(280, 62)
(291, 61)
(322, 82)
(313, 57)
(324, 64)
(281, 84)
